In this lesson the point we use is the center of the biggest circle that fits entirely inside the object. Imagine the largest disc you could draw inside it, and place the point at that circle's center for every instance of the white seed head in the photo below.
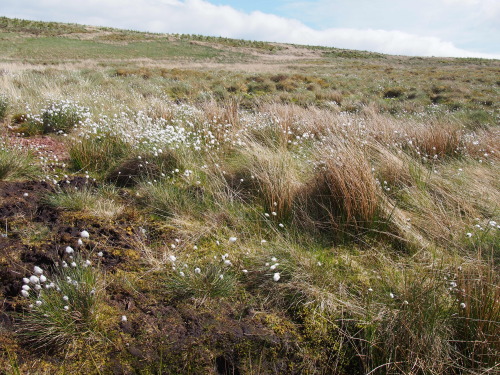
(43, 279)
(26, 287)
(232, 239)
(124, 318)
(37, 270)
(34, 279)
(276, 276)
(172, 258)
(197, 270)
(25, 293)
(26, 280)
(69, 250)
(84, 234)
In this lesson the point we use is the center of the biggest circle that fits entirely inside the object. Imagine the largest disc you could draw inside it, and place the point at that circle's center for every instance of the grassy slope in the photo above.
(371, 163)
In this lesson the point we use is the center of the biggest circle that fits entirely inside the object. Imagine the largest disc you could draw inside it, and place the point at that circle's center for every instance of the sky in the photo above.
(455, 28)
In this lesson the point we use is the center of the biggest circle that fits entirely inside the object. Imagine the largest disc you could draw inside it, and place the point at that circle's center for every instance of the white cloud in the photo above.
(203, 17)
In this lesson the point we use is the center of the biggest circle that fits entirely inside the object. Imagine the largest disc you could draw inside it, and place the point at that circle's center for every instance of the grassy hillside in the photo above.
(197, 205)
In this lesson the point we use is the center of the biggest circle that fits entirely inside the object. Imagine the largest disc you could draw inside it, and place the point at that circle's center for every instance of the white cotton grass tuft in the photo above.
(84, 234)
(37, 270)
(276, 276)
(69, 250)
(25, 293)
(34, 279)
(124, 318)
(197, 270)
(232, 239)
(43, 279)
(463, 305)
(172, 258)
(79, 242)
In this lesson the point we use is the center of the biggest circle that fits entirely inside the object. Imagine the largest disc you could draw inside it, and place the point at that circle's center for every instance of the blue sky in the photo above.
(464, 28)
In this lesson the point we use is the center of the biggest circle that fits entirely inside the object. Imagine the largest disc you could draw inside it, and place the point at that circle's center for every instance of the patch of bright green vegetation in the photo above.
(47, 48)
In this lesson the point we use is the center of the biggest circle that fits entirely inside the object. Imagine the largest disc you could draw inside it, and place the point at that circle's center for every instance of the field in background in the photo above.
(209, 205)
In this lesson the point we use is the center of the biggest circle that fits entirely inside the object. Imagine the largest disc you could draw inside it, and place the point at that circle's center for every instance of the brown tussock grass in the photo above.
(343, 191)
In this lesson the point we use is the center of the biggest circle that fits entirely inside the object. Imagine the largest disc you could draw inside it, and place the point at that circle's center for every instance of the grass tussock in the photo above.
(17, 164)
(64, 312)
(342, 193)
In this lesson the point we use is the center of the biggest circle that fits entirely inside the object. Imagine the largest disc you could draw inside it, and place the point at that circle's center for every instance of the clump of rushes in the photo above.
(61, 307)
(17, 164)
(97, 154)
(476, 321)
